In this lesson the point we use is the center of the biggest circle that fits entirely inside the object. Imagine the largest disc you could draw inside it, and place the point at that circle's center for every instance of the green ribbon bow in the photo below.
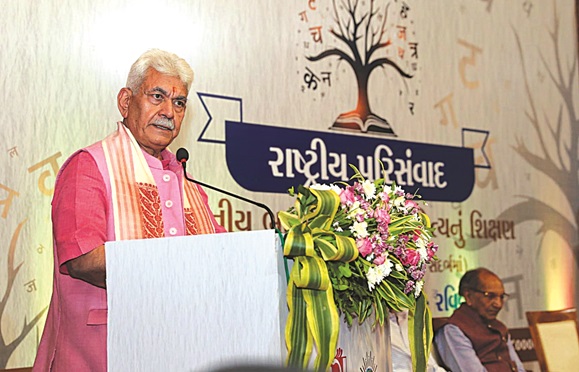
(313, 315)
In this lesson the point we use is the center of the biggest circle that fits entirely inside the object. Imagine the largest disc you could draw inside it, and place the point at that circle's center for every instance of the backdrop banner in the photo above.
(471, 104)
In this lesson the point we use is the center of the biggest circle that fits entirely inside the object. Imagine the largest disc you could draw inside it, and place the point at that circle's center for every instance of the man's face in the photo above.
(487, 300)
(154, 113)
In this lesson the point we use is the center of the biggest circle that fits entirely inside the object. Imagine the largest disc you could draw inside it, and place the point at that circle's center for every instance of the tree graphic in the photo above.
(557, 154)
(363, 33)
(562, 166)
(7, 348)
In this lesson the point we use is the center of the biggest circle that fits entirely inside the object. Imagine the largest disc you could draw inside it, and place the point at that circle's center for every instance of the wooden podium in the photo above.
(199, 303)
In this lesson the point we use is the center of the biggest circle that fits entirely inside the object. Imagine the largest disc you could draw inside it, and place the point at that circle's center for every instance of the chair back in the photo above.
(555, 335)
(523, 344)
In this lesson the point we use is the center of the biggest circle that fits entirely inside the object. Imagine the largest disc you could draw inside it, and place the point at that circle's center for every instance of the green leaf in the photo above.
(345, 270)
(287, 219)
(379, 309)
(406, 301)
(386, 292)
(420, 333)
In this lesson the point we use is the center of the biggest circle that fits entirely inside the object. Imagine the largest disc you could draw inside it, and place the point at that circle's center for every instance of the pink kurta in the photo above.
(75, 333)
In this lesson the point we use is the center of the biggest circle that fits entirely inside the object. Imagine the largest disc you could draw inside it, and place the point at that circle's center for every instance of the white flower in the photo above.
(354, 209)
(373, 278)
(336, 189)
(386, 267)
(320, 186)
(418, 288)
(359, 229)
(421, 248)
(369, 189)
(337, 227)
(377, 273)
(423, 253)
(399, 267)
(398, 202)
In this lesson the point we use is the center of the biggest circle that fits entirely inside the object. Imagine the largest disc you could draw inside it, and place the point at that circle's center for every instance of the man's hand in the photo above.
(90, 267)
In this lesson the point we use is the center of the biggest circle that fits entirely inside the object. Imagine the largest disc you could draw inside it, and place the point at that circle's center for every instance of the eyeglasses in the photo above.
(492, 295)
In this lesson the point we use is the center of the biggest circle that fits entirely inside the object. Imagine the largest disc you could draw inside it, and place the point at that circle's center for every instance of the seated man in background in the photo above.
(473, 339)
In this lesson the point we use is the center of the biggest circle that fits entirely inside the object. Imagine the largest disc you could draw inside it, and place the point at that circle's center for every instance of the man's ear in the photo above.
(467, 297)
(123, 101)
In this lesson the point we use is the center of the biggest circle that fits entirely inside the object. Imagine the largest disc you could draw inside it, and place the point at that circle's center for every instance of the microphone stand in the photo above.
(261, 205)
(183, 156)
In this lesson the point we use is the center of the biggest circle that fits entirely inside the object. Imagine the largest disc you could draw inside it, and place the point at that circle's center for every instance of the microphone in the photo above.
(183, 155)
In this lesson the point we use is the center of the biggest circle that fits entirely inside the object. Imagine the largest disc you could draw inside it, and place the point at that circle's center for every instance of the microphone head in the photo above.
(182, 155)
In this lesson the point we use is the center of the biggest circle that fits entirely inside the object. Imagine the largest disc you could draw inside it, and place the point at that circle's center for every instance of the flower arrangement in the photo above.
(358, 250)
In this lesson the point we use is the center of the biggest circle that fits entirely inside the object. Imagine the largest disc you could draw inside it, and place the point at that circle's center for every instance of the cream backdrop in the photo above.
(506, 70)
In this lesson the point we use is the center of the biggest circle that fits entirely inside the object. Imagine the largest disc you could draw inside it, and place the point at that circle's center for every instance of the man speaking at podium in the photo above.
(127, 186)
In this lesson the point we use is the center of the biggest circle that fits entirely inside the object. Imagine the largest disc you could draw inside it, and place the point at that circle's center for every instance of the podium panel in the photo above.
(363, 348)
(196, 303)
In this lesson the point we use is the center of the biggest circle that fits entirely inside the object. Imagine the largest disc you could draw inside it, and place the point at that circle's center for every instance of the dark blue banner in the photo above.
(272, 159)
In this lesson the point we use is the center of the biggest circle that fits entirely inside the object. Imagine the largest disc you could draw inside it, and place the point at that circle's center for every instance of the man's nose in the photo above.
(167, 109)
(498, 302)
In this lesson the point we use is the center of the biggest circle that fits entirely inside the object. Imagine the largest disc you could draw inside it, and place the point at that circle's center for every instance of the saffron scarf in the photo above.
(135, 197)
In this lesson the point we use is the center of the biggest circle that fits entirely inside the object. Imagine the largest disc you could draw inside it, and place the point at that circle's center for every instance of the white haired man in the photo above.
(127, 186)
(473, 339)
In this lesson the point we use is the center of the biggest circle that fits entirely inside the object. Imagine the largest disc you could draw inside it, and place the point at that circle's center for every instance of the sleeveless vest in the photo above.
(488, 337)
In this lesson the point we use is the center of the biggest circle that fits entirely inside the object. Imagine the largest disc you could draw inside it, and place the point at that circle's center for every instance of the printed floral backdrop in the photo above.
(473, 103)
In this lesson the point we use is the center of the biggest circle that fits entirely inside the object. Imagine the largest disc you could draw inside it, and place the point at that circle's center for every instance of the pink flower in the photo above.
(347, 197)
(382, 216)
(410, 204)
(364, 246)
(412, 258)
(431, 249)
(379, 260)
(416, 235)
(384, 197)
(365, 205)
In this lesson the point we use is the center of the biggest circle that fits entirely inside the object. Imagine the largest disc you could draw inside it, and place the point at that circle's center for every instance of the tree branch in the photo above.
(385, 61)
(332, 52)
